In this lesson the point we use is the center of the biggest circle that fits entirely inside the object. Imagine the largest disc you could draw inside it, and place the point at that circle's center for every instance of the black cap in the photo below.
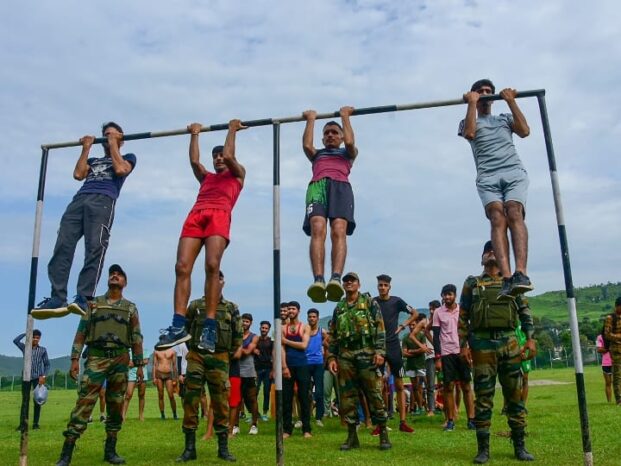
(117, 268)
(487, 247)
(384, 278)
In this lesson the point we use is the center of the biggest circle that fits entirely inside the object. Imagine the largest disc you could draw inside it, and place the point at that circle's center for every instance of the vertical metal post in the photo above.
(34, 262)
(277, 365)
(569, 286)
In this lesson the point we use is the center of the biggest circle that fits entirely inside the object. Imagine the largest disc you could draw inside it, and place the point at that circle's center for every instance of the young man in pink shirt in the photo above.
(606, 366)
(447, 349)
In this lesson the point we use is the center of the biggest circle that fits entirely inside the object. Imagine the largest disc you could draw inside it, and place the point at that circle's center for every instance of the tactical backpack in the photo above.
(227, 315)
(612, 328)
(488, 312)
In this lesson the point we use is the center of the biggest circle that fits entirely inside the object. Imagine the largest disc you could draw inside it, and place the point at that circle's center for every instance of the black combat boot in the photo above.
(483, 445)
(384, 442)
(519, 448)
(223, 447)
(65, 454)
(352, 438)
(110, 451)
(189, 453)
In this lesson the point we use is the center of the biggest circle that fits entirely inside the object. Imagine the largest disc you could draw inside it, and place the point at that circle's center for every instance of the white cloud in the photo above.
(151, 66)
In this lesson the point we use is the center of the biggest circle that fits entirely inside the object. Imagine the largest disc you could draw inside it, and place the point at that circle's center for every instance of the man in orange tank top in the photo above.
(207, 225)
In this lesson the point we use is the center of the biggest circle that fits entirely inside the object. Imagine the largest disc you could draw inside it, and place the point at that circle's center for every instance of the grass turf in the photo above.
(554, 435)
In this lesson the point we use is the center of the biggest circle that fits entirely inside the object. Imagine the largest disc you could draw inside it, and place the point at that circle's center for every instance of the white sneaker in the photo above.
(235, 430)
(319, 422)
(254, 430)
(298, 424)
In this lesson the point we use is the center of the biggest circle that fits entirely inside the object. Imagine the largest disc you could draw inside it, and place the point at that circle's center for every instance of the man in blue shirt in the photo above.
(502, 181)
(90, 214)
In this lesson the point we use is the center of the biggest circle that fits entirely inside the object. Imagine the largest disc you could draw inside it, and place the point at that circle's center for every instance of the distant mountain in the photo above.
(10, 365)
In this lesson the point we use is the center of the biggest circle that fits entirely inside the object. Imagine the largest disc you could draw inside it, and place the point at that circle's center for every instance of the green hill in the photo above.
(592, 301)
(10, 365)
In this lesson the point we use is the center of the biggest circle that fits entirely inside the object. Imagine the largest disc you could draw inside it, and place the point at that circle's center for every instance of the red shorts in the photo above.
(203, 223)
(235, 392)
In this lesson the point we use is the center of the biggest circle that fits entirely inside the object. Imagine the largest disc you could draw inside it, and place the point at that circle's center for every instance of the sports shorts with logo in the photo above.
(329, 199)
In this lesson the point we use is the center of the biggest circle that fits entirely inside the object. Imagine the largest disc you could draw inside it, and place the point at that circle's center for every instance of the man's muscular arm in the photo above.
(470, 122)
(307, 137)
(520, 126)
(228, 152)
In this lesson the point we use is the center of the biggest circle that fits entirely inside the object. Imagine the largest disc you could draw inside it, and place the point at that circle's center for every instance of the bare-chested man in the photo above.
(165, 375)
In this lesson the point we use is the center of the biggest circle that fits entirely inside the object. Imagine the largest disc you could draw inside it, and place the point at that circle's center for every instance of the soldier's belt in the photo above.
(106, 352)
(354, 345)
(493, 334)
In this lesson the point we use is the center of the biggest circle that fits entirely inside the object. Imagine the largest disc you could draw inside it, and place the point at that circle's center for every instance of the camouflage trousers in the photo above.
(357, 372)
(497, 358)
(212, 368)
(97, 370)
(615, 353)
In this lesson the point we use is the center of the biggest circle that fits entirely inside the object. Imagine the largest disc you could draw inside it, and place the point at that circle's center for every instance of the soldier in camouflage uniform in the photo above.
(357, 347)
(612, 335)
(110, 328)
(488, 342)
(213, 368)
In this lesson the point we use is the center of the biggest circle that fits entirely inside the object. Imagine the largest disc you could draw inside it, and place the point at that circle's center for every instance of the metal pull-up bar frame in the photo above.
(298, 118)
(276, 122)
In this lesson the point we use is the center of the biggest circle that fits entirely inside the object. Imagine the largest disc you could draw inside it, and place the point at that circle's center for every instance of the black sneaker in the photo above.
(520, 284)
(209, 337)
(505, 291)
(79, 306)
(50, 307)
(171, 336)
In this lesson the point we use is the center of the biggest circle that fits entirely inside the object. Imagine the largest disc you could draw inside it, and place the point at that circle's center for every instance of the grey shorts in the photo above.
(504, 186)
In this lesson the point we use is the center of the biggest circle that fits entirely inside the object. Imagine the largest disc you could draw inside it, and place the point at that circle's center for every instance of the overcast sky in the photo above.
(157, 65)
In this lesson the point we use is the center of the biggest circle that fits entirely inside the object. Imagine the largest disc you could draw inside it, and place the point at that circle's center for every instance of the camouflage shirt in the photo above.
(467, 302)
(336, 341)
(135, 335)
(613, 335)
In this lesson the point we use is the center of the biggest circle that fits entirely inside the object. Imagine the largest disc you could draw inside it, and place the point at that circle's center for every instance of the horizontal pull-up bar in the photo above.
(297, 118)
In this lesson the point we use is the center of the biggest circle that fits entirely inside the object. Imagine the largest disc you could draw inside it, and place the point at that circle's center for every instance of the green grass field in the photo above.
(553, 434)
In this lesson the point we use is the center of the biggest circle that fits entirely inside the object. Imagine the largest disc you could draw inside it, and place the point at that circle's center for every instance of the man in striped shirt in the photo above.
(39, 369)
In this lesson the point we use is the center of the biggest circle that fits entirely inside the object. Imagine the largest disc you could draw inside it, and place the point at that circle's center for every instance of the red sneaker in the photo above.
(376, 431)
(403, 427)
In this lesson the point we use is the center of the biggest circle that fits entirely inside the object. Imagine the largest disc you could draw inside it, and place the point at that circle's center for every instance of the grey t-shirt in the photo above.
(492, 146)
(246, 363)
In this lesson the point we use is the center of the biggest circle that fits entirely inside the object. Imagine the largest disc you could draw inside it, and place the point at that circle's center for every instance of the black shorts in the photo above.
(329, 199)
(454, 368)
(607, 370)
(395, 362)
